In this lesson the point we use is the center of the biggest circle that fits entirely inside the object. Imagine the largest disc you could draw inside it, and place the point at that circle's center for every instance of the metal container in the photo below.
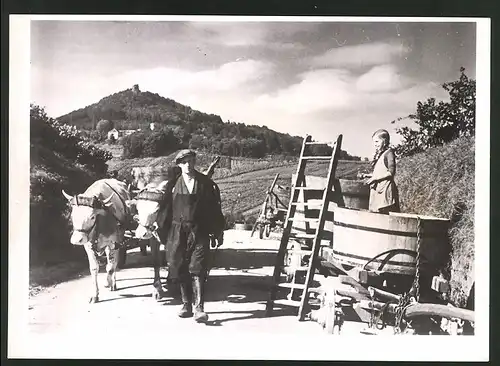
(359, 236)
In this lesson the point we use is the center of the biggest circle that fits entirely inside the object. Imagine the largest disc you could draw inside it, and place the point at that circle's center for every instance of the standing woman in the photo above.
(384, 197)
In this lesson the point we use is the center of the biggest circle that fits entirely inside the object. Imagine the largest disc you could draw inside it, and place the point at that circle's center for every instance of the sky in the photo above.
(317, 78)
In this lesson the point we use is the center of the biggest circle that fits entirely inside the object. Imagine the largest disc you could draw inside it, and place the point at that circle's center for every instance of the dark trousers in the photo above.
(187, 252)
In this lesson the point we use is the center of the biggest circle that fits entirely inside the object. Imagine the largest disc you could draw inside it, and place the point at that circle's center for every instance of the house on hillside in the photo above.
(113, 134)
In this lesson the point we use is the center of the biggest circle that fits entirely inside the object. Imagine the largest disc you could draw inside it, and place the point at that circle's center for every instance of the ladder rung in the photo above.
(316, 158)
(301, 251)
(317, 290)
(301, 268)
(303, 219)
(309, 189)
(320, 143)
(297, 269)
(287, 302)
(302, 236)
(318, 204)
(292, 285)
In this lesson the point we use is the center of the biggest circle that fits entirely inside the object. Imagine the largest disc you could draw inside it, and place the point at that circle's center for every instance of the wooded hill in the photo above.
(180, 126)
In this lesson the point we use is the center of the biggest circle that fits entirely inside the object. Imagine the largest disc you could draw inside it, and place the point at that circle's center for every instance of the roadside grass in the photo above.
(440, 182)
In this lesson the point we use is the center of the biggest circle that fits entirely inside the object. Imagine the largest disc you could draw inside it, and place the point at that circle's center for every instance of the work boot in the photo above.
(187, 308)
(198, 286)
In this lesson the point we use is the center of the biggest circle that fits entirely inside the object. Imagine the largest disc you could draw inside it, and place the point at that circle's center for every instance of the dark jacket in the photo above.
(209, 218)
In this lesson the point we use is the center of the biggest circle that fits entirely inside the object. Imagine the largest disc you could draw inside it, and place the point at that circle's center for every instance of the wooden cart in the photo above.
(272, 214)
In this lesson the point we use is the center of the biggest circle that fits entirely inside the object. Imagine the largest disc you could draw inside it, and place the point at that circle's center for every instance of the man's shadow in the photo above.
(278, 311)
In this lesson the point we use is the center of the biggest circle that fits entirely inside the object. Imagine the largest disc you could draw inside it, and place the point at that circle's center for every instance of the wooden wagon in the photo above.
(385, 269)
(272, 213)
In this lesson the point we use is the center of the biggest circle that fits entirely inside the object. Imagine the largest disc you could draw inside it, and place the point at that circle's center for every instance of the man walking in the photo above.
(194, 215)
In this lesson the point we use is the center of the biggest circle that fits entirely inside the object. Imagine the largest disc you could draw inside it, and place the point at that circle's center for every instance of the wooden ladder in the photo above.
(298, 186)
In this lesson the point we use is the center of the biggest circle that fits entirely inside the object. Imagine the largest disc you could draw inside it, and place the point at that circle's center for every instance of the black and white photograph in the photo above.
(215, 187)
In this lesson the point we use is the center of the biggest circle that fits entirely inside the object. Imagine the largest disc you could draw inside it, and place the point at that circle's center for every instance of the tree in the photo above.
(323, 149)
(160, 143)
(133, 145)
(252, 147)
(196, 141)
(441, 122)
(103, 127)
(95, 136)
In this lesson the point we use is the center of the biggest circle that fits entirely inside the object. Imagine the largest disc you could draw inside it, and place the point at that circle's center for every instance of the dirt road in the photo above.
(235, 301)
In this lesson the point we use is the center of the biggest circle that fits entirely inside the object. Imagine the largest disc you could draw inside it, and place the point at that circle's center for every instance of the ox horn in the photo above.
(107, 200)
(162, 186)
(68, 197)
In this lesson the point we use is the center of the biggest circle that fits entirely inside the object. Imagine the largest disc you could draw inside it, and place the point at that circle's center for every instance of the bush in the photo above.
(66, 140)
(160, 143)
(234, 218)
(104, 126)
(250, 220)
(150, 144)
(442, 122)
(133, 145)
(60, 159)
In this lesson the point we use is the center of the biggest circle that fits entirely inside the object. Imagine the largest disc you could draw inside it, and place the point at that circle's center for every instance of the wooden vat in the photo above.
(360, 235)
(353, 193)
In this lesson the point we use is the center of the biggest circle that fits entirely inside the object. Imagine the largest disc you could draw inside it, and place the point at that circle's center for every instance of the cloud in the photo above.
(57, 88)
(227, 77)
(228, 33)
(317, 90)
(360, 55)
(274, 35)
(341, 90)
(380, 78)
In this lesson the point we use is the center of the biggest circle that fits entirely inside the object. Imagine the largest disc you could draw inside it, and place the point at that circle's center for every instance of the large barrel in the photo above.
(359, 236)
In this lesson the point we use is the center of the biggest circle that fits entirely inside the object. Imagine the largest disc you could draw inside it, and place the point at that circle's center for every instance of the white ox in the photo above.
(151, 212)
(97, 216)
(149, 203)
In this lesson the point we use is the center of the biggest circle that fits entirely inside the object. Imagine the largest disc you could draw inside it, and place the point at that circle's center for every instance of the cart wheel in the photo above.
(144, 250)
(268, 230)
(122, 257)
(261, 232)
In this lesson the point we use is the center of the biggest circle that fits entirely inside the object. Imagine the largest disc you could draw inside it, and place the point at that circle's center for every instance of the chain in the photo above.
(406, 299)
(372, 311)
(416, 283)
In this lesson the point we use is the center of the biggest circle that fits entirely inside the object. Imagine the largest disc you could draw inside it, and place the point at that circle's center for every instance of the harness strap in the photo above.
(123, 203)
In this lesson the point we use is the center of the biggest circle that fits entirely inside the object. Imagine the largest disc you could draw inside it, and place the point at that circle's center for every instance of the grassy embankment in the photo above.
(440, 182)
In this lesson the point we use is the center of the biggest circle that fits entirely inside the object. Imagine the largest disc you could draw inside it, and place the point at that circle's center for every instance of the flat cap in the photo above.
(183, 153)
